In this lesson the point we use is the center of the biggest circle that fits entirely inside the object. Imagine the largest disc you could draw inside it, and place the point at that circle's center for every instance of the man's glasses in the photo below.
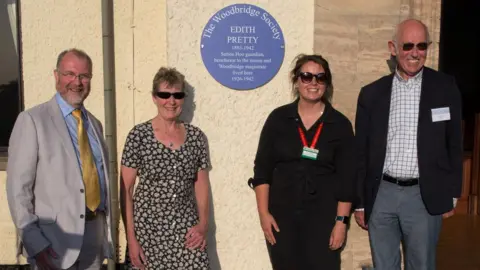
(167, 95)
(72, 76)
(307, 77)
(422, 46)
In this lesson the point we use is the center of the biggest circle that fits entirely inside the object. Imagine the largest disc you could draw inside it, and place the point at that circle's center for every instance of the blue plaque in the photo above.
(242, 46)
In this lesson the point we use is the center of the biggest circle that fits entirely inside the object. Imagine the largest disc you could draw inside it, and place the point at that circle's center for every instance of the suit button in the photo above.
(81, 190)
(82, 216)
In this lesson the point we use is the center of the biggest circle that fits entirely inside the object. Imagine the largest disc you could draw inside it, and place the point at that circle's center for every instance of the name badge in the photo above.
(441, 114)
(309, 153)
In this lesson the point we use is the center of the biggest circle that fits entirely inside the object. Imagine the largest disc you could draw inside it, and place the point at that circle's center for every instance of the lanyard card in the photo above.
(309, 153)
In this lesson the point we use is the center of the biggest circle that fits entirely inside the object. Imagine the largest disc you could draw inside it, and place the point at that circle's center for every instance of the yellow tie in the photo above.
(89, 170)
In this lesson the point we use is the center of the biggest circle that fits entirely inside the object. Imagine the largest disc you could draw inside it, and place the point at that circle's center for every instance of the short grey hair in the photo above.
(78, 53)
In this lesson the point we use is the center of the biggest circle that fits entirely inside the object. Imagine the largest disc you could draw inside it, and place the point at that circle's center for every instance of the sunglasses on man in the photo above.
(307, 77)
(422, 46)
(167, 95)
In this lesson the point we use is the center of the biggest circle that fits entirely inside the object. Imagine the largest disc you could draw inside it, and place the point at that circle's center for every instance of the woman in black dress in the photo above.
(304, 173)
(166, 221)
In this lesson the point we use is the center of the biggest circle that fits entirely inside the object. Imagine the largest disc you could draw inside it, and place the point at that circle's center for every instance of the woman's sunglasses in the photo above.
(167, 95)
(307, 77)
(422, 46)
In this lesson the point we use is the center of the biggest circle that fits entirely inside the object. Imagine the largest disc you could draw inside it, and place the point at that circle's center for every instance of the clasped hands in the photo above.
(268, 223)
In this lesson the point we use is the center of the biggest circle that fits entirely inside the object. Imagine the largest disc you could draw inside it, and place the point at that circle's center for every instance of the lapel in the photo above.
(383, 109)
(61, 127)
(425, 99)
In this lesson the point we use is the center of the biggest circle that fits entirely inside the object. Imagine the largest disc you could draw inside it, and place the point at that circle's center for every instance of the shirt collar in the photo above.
(415, 78)
(66, 108)
(327, 116)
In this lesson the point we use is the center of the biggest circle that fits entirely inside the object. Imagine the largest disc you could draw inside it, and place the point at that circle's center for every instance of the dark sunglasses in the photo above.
(307, 77)
(422, 46)
(166, 95)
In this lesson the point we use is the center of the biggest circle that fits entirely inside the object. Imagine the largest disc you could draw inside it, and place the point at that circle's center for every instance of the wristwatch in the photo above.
(344, 219)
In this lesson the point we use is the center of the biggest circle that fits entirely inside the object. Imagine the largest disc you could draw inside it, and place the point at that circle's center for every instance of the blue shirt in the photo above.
(71, 122)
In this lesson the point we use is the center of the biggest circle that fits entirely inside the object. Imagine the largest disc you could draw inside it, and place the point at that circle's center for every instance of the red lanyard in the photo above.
(315, 138)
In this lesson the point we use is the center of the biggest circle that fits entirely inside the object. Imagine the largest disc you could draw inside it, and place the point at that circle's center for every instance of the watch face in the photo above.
(340, 218)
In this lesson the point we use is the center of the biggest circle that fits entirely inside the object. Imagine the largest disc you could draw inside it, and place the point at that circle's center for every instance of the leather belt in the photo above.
(89, 215)
(401, 182)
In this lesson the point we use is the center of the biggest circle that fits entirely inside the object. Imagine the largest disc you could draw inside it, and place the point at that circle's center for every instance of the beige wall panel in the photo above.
(337, 36)
(49, 27)
(124, 83)
(232, 120)
(389, 7)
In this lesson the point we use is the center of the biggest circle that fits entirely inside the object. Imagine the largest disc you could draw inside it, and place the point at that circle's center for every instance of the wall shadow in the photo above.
(212, 227)
(189, 106)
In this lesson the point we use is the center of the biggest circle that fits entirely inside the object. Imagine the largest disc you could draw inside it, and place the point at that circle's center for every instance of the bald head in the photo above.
(410, 25)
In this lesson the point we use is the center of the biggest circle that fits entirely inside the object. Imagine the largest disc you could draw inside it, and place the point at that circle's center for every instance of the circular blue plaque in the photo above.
(242, 46)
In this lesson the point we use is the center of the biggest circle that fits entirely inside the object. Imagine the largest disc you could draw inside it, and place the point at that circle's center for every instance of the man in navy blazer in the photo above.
(409, 143)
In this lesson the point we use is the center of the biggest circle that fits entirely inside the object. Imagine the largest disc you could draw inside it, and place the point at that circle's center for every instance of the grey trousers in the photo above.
(399, 216)
(92, 253)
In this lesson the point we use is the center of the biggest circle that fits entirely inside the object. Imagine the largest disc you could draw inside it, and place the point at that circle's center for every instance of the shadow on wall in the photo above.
(189, 105)
(212, 227)
(392, 63)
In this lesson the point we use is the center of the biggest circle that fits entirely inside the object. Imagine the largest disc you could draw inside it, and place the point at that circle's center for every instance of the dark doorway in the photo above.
(459, 56)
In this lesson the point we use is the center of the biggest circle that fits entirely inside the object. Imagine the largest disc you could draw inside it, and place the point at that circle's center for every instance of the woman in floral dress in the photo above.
(166, 220)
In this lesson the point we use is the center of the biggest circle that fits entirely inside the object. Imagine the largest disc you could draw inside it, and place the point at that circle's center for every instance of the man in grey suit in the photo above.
(57, 179)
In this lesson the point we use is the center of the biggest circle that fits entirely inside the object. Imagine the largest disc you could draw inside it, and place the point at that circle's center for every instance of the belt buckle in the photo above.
(89, 215)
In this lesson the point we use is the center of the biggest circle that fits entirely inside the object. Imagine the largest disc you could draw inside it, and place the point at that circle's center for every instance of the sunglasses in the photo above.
(307, 77)
(167, 95)
(422, 46)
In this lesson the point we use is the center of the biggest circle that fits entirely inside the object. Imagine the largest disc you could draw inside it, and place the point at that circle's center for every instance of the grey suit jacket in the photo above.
(44, 185)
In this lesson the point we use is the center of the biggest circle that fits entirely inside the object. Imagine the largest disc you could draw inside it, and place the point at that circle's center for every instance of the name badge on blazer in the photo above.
(441, 114)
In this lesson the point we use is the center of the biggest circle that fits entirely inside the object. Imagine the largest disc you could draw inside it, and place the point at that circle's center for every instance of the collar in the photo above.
(66, 108)
(329, 114)
(415, 78)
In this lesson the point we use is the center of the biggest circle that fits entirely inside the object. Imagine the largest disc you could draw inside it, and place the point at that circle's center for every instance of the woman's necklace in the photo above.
(170, 137)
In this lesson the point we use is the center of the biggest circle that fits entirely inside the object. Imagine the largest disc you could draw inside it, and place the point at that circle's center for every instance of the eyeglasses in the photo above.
(307, 77)
(167, 95)
(72, 76)
(422, 46)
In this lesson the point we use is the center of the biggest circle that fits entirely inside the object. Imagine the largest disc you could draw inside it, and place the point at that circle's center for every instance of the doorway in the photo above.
(459, 56)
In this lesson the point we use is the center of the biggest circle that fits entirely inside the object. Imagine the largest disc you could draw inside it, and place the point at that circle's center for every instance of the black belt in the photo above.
(89, 215)
(401, 182)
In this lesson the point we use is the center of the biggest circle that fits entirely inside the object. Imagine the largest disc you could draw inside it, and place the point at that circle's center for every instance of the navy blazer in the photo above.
(439, 144)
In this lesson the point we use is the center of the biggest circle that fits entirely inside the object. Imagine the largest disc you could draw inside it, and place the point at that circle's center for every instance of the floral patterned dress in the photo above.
(164, 201)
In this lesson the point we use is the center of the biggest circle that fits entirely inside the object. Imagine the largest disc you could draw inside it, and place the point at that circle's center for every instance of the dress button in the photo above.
(81, 190)
(174, 195)
(82, 216)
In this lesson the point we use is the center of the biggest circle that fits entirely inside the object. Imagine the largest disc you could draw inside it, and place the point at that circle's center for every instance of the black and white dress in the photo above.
(164, 201)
